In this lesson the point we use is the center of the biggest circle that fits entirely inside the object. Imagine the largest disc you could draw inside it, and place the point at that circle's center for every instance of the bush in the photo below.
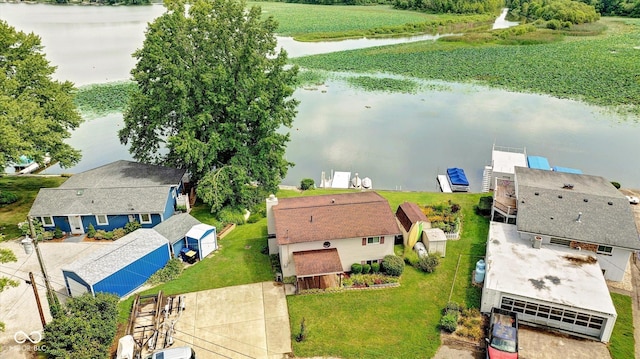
(449, 322)
(119, 233)
(7, 197)
(101, 234)
(230, 215)
(484, 205)
(170, 271)
(57, 233)
(47, 235)
(616, 184)
(109, 235)
(452, 307)
(366, 268)
(393, 265)
(429, 263)
(554, 24)
(132, 226)
(411, 257)
(307, 184)
(356, 268)
(91, 232)
(375, 268)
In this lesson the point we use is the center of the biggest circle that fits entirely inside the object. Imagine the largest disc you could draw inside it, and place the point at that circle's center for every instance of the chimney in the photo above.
(271, 222)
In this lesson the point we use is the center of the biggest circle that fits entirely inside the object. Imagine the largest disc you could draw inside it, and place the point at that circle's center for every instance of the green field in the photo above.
(622, 343)
(600, 70)
(26, 188)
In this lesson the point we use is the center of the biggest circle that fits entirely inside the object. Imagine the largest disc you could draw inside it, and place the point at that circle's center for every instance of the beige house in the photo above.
(320, 237)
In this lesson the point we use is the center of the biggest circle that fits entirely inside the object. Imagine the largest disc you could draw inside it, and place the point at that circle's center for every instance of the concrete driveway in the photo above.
(18, 309)
(246, 321)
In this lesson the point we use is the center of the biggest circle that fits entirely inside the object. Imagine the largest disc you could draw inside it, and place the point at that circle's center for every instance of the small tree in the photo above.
(429, 263)
(57, 233)
(132, 226)
(91, 232)
(393, 265)
(307, 184)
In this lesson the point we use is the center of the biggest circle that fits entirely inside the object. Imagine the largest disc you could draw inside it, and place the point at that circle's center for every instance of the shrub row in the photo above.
(112, 235)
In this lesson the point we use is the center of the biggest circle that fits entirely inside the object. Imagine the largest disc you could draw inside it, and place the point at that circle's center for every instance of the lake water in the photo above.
(401, 141)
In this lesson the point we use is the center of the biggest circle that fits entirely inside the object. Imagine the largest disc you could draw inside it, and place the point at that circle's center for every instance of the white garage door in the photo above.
(208, 244)
(555, 317)
(76, 288)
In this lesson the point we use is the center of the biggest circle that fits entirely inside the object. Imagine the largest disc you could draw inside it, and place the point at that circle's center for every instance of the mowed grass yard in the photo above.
(26, 188)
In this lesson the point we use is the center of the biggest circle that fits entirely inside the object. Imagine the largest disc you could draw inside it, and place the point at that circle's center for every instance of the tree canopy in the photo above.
(213, 92)
(85, 328)
(36, 112)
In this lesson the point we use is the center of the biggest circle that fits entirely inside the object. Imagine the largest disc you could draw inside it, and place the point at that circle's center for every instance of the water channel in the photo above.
(401, 141)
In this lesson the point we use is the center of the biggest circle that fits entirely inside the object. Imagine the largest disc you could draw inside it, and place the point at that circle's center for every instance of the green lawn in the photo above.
(622, 343)
(26, 188)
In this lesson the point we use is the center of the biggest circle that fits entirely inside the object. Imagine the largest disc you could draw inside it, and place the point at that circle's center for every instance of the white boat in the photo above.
(27, 165)
(343, 180)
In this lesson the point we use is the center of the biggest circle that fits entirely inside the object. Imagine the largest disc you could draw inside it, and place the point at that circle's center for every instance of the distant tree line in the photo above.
(108, 2)
(629, 8)
(452, 6)
(337, 2)
(574, 12)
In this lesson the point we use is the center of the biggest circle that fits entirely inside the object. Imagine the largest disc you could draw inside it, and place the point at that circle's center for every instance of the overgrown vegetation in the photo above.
(170, 271)
(100, 99)
(393, 265)
(84, 329)
(7, 197)
(599, 70)
(574, 12)
(452, 6)
(387, 84)
(445, 216)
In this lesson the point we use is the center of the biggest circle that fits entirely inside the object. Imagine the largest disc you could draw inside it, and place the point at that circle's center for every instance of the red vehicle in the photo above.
(502, 342)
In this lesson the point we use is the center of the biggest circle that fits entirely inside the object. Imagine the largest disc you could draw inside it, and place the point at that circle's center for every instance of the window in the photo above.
(605, 250)
(47, 221)
(145, 218)
(560, 242)
(102, 219)
(370, 262)
(373, 240)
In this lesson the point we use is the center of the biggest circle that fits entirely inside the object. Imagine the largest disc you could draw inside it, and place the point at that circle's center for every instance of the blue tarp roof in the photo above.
(504, 332)
(538, 163)
(457, 176)
(567, 170)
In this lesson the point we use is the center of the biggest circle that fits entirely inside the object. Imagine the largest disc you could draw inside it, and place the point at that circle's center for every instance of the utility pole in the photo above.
(35, 292)
(51, 295)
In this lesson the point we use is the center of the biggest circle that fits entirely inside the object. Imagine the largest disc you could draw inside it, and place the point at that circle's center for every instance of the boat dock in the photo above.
(443, 182)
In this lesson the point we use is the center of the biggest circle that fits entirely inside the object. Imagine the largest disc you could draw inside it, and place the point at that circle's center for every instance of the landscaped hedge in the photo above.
(393, 265)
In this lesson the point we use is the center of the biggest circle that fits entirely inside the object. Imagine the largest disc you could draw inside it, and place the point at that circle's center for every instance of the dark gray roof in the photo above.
(125, 174)
(120, 187)
(176, 227)
(116, 255)
(125, 200)
(547, 206)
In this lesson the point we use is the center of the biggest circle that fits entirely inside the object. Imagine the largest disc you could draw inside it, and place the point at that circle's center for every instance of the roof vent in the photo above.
(333, 200)
(567, 186)
(559, 196)
(537, 193)
(586, 200)
(579, 217)
(610, 203)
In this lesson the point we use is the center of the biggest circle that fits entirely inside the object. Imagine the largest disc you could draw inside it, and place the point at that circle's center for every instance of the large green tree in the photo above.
(213, 92)
(36, 112)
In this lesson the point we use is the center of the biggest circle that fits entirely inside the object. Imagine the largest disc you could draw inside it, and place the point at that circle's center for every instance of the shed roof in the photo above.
(546, 274)
(333, 216)
(116, 255)
(550, 203)
(317, 262)
(176, 227)
(409, 213)
(435, 234)
(199, 230)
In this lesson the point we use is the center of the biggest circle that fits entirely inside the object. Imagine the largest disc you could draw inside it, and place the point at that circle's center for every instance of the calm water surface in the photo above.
(401, 141)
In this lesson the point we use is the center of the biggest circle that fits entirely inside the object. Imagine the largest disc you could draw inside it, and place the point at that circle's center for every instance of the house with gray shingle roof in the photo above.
(583, 212)
(109, 197)
(319, 237)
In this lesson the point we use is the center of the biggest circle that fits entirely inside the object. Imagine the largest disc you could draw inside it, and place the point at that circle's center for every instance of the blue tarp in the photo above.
(457, 176)
(504, 332)
(567, 170)
(538, 163)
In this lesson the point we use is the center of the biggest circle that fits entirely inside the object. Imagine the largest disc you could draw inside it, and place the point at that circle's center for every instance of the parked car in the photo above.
(633, 199)
(420, 250)
(502, 341)
(174, 353)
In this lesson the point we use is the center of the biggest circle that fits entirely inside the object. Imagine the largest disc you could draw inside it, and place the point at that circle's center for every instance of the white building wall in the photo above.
(350, 251)
(492, 298)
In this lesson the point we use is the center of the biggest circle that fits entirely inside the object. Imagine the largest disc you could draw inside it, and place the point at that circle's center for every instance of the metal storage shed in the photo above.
(435, 240)
(120, 267)
(184, 231)
(202, 239)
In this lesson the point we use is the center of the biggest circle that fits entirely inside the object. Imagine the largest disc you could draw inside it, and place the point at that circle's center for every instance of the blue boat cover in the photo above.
(538, 163)
(457, 176)
(567, 170)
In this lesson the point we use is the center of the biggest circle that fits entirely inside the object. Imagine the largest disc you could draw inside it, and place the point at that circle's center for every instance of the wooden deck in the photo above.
(505, 198)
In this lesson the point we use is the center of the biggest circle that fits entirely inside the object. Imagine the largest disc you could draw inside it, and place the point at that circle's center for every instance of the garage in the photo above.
(556, 288)
(118, 267)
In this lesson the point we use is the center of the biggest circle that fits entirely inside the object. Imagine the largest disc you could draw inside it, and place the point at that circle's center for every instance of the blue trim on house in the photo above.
(170, 205)
(127, 279)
